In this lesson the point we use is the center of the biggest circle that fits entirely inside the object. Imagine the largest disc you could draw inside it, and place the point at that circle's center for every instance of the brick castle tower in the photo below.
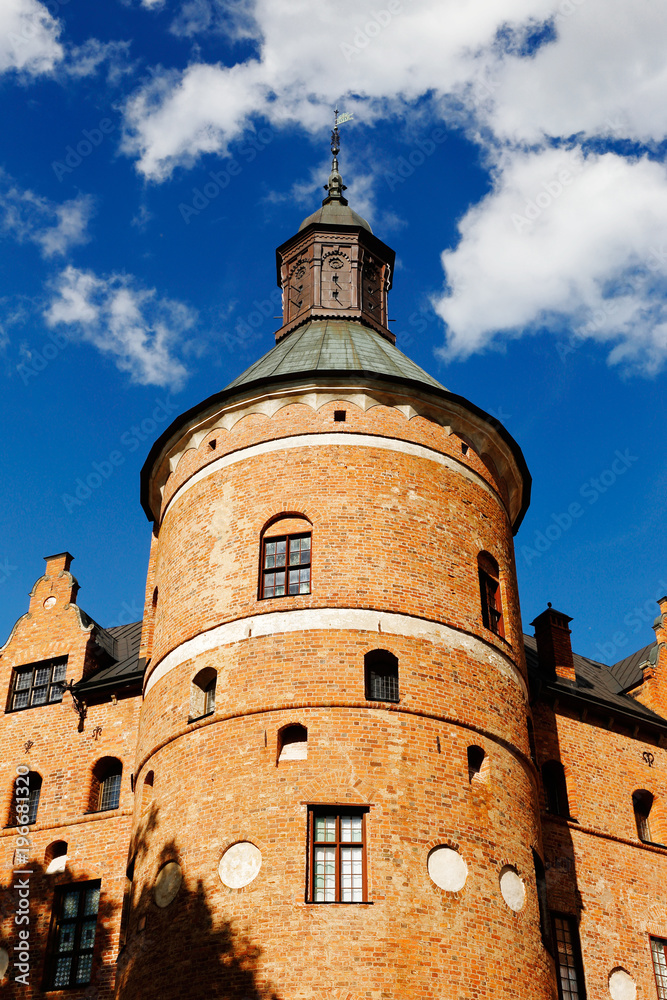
(334, 791)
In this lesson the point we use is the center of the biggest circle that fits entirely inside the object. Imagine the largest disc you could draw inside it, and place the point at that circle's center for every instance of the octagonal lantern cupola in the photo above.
(334, 267)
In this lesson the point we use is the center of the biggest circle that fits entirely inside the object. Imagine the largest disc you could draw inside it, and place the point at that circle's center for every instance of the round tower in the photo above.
(335, 798)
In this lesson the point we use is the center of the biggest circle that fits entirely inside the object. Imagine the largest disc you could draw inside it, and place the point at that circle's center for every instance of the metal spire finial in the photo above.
(335, 187)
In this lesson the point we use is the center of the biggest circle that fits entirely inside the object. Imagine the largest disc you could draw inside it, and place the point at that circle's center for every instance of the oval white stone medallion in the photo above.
(240, 865)
(167, 884)
(621, 985)
(447, 869)
(512, 888)
(4, 962)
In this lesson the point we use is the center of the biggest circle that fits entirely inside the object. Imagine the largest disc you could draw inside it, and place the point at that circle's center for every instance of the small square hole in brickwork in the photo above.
(212, 444)
(464, 448)
(339, 415)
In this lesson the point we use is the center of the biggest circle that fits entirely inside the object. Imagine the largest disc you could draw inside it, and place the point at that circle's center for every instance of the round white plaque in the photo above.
(512, 888)
(447, 869)
(239, 865)
(167, 884)
(621, 985)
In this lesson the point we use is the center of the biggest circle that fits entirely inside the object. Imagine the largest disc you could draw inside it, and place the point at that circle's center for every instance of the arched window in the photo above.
(55, 857)
(202, 694)
(478, 765)
(285, 559)
(381, 675)
(489, 588)
(106, 784)
(25, 799)
(293, 743)
(147, 791)
(555, 788)
(642, 803)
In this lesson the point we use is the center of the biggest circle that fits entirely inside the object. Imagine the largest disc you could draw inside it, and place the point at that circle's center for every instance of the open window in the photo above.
(55, 857)
(489, 588)
(642, 803)
(381, 675)
(292, 743)
(478, 765)
(202, 694)
(555, 789)
(147, 792)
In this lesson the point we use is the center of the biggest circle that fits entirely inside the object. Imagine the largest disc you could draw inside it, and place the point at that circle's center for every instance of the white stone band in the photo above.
(337, 440)
(335, 619)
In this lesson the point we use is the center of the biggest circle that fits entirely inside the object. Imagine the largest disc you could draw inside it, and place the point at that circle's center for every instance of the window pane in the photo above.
(42, 676)
(325, 874)
(350, 829)
(110, 792)
(294, 581)
(66, 937)
(59, 671)
(21, 699)
(281, 552)
(325, 828)
(70, 905)
(23, 680)
(39, 696)
(659, 952)
(63, 967)
(92, 902)
(33, 805)
(88, 935)
(84, 967)
(351, 875)
(56, 693)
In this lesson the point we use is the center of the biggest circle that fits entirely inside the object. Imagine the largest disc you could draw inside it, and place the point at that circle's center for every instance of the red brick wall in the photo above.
(64, 757)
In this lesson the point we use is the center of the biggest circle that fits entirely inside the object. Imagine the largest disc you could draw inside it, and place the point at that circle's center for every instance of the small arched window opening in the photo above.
(478, 765)
(202, 694)
(154, 601)
(642, 803)
(285, 558)
(147, 791)
(293, 743)
(106, 785)
(55, 857)
(35, 792)
(381, 675)
(555, 788)
(25, 799)
(489, 588)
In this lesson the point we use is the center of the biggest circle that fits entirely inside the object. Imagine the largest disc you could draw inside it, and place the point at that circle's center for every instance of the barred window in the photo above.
(285, 566)
(381, 675)
(489, 588)
(110, 792)
(659, 953)
(72, 935)
(337, 855)
(568, 958)
(38, 684)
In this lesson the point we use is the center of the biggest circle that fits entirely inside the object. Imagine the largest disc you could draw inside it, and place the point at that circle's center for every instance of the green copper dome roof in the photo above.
(333, 345)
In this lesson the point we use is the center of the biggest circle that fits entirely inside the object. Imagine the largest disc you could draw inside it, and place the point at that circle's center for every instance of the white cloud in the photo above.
(88, 58)
(529, 75)
(563, 238)
(28, 37)
(27, 217)
(141, 332)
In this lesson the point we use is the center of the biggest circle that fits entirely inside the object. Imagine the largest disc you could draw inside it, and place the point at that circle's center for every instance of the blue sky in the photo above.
(155, 154)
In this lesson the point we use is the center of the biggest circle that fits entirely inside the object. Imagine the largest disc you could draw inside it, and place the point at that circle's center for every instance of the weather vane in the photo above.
(335, 187)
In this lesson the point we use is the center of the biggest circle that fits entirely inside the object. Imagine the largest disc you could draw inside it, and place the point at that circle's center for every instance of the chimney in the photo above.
(58, 563)
(653, 692)
(554, 648)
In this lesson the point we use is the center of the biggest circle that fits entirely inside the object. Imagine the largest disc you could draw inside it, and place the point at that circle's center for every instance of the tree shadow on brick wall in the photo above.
(42, 888)
(182, 950)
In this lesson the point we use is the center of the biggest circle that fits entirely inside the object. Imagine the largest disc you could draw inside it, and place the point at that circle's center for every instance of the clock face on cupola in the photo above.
(334, 267)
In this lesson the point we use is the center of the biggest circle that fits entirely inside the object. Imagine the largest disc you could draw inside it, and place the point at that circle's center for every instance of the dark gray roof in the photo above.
(334, 345)
(127, 669)
(334, 213)
(595, 684)
(628, 671)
